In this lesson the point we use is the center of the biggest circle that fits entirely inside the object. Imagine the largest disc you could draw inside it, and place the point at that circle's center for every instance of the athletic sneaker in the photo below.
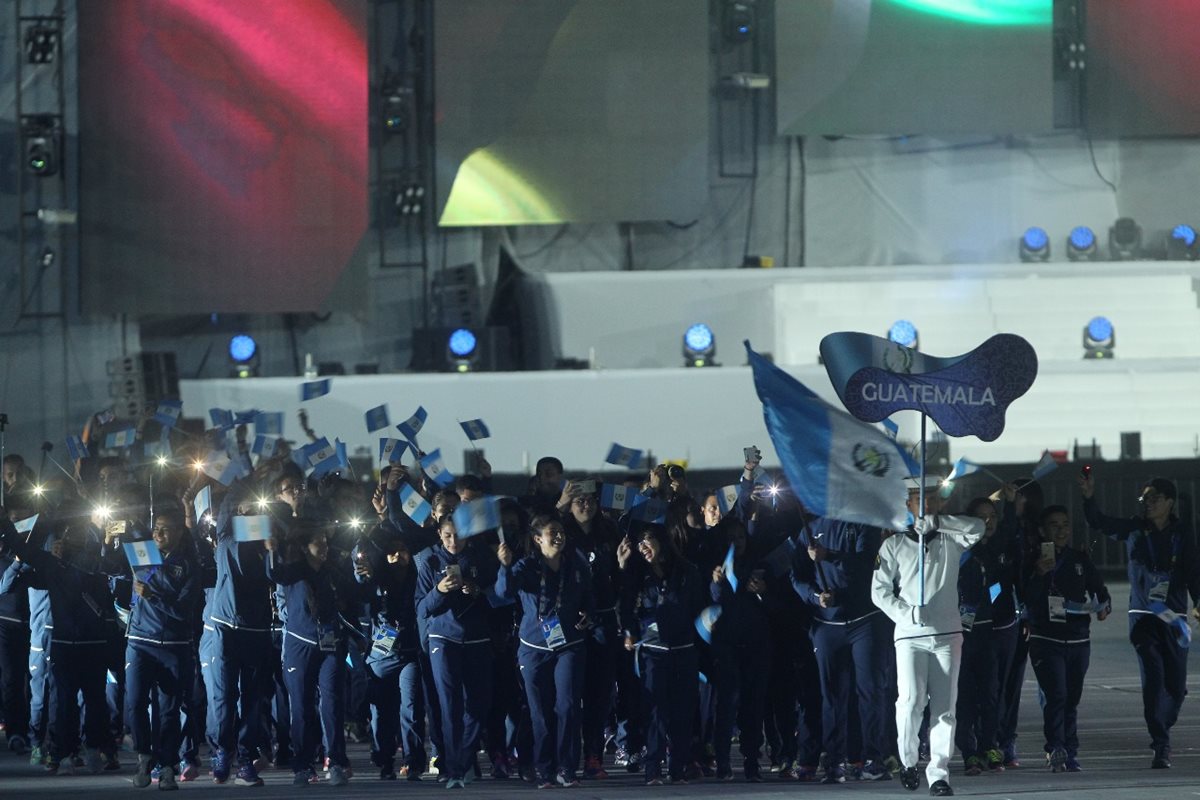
(247, 775)
(567, 780)
(994, 760)
(973, 766)
(1073, 764)
(1057, 760)
(338, 775)
(874, 771)
(166, 780)
(220, 766)
(305, 777)
(188, 772)
(834, 773)
(141, 778)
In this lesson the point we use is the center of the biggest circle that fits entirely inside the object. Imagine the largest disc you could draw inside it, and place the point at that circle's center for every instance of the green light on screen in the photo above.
(488, 191)
(986, 12)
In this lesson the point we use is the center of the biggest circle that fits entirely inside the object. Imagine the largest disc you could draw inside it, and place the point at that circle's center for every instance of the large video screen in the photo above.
(223, 148)
(914, 66)
(551, 111)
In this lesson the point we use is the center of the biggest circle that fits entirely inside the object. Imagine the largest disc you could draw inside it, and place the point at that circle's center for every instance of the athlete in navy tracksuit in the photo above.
(41, 629)
(82, 609)
(450, 600)
(661, 596)
(1062, 592)
(15, 649)
(832, 574)
(1163, 571)
(741, 649)
(239, 615)
(159, 660)
(554, 587)
(382, 561)
(317, 595)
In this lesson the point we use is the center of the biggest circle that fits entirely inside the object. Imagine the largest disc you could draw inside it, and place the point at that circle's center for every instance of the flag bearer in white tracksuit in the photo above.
(928, 636)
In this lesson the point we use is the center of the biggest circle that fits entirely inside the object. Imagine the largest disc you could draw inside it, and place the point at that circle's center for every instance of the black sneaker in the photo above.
(910, 779)
(835, 773)
(1162, 758)
(940, 789)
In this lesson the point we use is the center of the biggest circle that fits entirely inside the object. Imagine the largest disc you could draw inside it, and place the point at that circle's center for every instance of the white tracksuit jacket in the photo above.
(948, 539)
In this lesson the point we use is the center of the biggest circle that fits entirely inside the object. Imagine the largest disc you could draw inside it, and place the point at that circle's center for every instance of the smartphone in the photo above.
(454, 571)
(585, 487)
(752, 453)
(1086, 471)
(116, 527)
(1048, 550)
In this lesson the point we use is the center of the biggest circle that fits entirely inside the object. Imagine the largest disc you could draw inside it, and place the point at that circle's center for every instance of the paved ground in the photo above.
(1114, 752)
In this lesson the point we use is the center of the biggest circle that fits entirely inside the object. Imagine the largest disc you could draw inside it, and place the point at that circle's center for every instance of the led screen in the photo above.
(914, 66)
(551, 111)
(223, 154)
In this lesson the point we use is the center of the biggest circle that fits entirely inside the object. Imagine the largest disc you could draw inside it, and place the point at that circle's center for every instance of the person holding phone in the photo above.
(1062, 591)
(1164, 571)
(553, 586)
(449, 597)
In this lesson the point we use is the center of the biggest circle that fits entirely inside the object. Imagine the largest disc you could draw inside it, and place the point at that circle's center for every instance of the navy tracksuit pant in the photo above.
(740, 682)
(239, 669)
(308, 669)
(978, 707)
(600, 672)
(1163, 665)
(462, 674)
(851, 655)
(1060, 670)
(161, 674)
(78, 669)
(397, 705)
(14, 677)
(671, 684)
(553, 686)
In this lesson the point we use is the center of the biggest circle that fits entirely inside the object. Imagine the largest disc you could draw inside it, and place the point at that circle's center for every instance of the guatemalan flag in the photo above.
(167, 412)
(617, 496)
(265, 446)
(122, 438)
(963, 468)
(269, 423)
(707, 621)
(840, 468)
(435, 467)
(624, 456)
(392, 450)
(727, 497)
(221, 417)
(412, 426)
(143, 554)
(256, 528)
(475, 429)
(314, 389)
(416, 506)
(1045, 466)
(477, 516)
(76, 448)
(377, 418)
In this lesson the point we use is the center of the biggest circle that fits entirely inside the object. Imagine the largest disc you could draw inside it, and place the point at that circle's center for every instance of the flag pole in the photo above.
(921, 509)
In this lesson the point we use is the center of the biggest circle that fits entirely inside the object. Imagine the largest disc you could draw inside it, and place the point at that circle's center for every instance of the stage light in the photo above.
(1125, 240)
(739, 20)
(1181, 244)
(41, 42)
(904, 333)
(243, 356)
(1081, 244)
(410, 200)
(42, 137)
(1035, 245)
(699, 346)
(462, 349)
(1099, 338)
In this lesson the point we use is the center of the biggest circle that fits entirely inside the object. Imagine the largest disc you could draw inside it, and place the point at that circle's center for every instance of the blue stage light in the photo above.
(462, 343)
(1083, 237)
(1099, 338)
(1184, 234)
(699, 346)
(1100, 329)
(242, 348)
(904, 333)
(1035, 245)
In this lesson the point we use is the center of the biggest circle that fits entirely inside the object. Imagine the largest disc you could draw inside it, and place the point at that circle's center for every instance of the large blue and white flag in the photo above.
(1045, 466)
(617, 496)
(76, 448)
(624, 456)
(412, 426)
(26, 525)
(727, 497)
(202, 503)
(252, 529)
(168, 412)
(477, 516)
(475, 429)
(314, 389)
(890, 428)
(414, 504)
(269, 423)
(265, 446)
(377, 418)
(435, 468)
(838, 467)
(121, 439)
(144, 553)
(392, 450)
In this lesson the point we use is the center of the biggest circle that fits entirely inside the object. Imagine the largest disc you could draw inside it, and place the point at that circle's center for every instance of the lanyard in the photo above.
(543, 599)
(1054, 572)
(1154, 565)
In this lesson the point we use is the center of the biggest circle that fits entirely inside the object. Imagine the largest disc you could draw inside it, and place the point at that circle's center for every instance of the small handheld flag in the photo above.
(121, 439)
(623, 456)
(416, 506)
(728, 567)
(616, 496)
(265, 446)
(202, 502)
(435, 468)
(252, 529)
(324, 459)
(314, 389)
(269, 423)
(104, 417)
(475, 429)
(392, 450)
(649, 509)
(26, 525)
(412, 426)
(1045, 466)
(477, 516)
(221, 417)
(377, 418)
(76, 448)
(727, 497)
(707, 621)
(144, 553)
(223, 469)
(168, 412)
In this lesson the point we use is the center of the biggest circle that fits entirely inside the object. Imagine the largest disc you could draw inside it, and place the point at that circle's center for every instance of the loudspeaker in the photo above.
(141, 380)
(431, 351)
(1131, 446)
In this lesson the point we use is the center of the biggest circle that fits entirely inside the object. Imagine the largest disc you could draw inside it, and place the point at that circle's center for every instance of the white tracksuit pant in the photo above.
(927, 671)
